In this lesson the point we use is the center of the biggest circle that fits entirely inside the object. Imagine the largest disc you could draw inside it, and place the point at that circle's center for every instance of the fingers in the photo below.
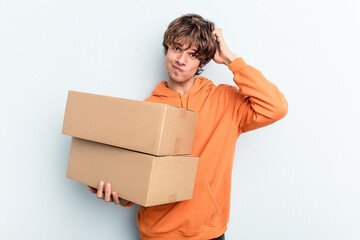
(217, 33)
(104, 192)
(115, 198)
(100, 190)
(108, 192)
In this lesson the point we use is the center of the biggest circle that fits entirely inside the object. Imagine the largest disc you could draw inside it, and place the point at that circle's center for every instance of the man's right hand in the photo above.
(107, 195)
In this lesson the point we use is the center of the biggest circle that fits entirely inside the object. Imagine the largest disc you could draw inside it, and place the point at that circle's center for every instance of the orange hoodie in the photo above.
(224, 112)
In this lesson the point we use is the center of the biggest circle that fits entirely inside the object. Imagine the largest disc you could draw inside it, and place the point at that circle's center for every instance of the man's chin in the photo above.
(176, 79)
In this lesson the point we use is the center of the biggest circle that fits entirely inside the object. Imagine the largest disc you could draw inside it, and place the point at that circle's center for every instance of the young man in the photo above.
(224, 112)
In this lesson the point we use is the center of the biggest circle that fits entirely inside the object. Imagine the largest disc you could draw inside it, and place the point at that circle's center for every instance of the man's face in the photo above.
(181, 63)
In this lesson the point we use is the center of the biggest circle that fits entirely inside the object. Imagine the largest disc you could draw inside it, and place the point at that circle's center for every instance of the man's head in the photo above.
(191, 31)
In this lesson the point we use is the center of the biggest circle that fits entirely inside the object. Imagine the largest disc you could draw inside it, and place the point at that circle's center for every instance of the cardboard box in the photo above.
(141, 178)
(152, 128)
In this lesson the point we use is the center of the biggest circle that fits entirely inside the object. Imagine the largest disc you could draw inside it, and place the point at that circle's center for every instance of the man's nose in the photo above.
(182, 58)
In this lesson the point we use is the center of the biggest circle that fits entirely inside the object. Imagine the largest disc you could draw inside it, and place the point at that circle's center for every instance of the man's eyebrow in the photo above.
(177, 44)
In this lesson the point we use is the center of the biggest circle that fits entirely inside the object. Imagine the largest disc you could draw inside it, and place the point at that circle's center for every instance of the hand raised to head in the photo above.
(223, 54)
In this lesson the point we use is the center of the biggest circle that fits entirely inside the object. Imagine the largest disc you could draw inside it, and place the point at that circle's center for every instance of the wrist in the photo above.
(231, 57)
(124, 202)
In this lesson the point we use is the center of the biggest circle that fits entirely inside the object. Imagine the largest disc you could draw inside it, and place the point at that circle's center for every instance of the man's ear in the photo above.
(165, 50)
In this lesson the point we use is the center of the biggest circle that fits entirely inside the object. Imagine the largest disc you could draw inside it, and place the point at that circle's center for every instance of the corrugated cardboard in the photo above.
(152, 128)
(141, 178)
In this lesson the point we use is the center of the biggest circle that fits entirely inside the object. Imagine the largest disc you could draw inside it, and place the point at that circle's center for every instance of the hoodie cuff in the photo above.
(237, 64)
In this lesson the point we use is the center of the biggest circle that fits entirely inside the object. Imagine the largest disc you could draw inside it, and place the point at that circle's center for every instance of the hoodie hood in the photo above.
(161, 90)
(197, 92)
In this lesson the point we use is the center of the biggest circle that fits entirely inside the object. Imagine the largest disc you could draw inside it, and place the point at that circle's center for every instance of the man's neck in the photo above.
(181, 88)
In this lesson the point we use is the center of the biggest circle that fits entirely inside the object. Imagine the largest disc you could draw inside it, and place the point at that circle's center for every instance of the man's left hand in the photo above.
(223, 55)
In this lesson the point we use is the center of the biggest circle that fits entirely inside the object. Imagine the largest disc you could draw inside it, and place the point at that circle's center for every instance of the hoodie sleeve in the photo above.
(258, 102)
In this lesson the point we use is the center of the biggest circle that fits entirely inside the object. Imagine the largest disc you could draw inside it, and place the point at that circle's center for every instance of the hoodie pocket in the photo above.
(188, 217)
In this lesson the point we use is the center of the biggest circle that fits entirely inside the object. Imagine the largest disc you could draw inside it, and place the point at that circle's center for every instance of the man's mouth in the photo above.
(178, 69)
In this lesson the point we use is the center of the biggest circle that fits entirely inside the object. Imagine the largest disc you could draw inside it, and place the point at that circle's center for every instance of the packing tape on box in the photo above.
(172, 197)
(177, 145)
(183, 113)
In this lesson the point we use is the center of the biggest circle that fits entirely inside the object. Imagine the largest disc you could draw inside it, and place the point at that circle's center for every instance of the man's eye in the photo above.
(176, 49)
(193, 55)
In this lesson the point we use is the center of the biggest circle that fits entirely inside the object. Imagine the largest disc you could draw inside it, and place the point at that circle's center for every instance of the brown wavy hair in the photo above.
(192, 30)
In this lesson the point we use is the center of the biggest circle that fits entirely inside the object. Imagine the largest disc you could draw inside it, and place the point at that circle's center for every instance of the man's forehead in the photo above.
(185, 45)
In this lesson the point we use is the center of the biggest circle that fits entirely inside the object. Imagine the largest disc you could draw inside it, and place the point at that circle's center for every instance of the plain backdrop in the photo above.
(296, 179)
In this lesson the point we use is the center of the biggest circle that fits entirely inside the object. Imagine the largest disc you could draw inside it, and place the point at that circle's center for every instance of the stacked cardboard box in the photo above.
(142, 148)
